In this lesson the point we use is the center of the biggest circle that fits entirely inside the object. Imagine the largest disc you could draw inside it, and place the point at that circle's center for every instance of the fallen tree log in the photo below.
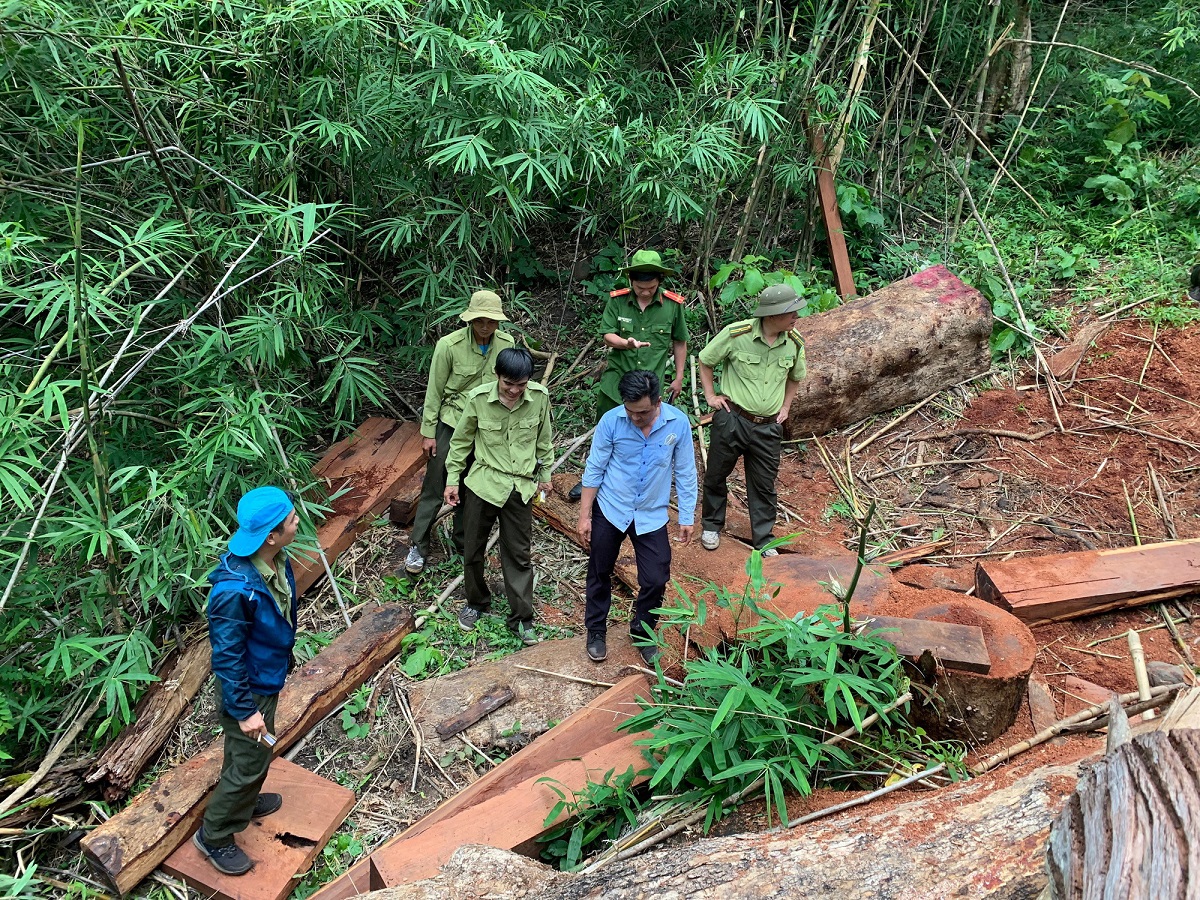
(893, 347)
(972, 840)
(131, 844)
(180, 678)
(1129, 829)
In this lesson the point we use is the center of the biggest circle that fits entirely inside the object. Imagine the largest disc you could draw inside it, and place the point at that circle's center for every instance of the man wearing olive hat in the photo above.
(762, 363)
(252, 628)
(462, 361)
(643, 328)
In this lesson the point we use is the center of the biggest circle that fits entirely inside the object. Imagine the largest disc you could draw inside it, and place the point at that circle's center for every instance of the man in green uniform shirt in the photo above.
(762, 362)
(507, 426)
(462, 361)
(643, 327)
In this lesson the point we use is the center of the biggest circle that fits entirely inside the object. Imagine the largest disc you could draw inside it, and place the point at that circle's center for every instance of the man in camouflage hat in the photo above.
(642, 331)
(762, 363)
(462, 361)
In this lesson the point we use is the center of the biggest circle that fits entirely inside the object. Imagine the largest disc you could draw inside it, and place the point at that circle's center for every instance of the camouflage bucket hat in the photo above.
(484, 305)
(777, 300)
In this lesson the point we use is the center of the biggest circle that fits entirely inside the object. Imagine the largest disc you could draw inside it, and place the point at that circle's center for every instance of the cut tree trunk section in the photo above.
(893, 347)
(131, 844)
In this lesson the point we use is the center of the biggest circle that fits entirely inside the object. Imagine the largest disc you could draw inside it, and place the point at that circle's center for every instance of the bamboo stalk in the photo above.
(1138, 655)
(565, 677)
(867, 798)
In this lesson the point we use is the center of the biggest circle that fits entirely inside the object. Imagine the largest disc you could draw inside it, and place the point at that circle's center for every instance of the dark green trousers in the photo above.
(243, 771)
(759, 446)
(433, 487)
(516, 539)
(604, 403)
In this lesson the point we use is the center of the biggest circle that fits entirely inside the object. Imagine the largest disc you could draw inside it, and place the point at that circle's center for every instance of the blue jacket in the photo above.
(251, 641)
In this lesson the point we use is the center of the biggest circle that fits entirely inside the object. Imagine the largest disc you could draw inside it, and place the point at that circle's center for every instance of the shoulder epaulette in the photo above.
(537, 387)
(458, 335)
(737, 329)
(797, 338)
(619, 292)
(503, 336)
(671, 295)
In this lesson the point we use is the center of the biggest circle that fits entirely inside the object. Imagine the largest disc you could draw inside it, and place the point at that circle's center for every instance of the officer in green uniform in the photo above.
(507, 426)
(462, 361)
(762, 363)
(642, 331)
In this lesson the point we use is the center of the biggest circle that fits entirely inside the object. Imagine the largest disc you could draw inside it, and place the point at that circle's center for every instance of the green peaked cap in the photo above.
(779, 299)
(647, 261)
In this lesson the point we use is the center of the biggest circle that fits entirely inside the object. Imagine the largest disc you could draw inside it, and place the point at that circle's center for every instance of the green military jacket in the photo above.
(457, 369)
(277, 583)
(754, 375)
(512, 447)
(660, 324)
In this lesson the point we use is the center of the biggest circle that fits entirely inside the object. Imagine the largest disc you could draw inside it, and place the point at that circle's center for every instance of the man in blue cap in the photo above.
(252, 627)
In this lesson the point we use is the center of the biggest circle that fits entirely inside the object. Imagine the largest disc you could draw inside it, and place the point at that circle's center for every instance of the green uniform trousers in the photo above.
(759, 446)
(433, 488)
(604, 403)
(516, 539)
(243, 771)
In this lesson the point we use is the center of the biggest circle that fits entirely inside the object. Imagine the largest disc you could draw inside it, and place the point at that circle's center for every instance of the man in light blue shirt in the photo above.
(638, 448)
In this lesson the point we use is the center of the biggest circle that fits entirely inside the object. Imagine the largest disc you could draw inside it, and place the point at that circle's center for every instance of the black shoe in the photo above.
(575, 493)
(228, 859)
(467, 617)
(597, 650)
(267, 804)
(649, 653)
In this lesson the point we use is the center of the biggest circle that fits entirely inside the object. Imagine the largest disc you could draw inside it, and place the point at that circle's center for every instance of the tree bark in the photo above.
(1129, 830)
(896, 346)
(973, 840)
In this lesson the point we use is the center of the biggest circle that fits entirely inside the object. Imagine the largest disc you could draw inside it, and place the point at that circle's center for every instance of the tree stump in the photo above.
(1130, 829)
(896, 346)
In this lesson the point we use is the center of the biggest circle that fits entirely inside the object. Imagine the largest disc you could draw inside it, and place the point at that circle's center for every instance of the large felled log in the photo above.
(1040, 589)
(1129, 830)
(181, 676)
(898, 345)
(972, 840)
(131, 844)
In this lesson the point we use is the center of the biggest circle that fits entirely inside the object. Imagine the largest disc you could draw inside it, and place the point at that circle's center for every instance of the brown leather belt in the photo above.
(753, 420)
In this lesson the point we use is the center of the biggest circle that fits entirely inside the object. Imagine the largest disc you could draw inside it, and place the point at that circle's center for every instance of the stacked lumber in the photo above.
(131, 844)
(509, 805)
(1044, 589)
(364, 472)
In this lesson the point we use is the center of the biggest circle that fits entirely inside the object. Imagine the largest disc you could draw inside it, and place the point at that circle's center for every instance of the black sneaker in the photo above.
(597, 650)
(467, 617)
(575, 494)
(649, 653)
(267, 804)
(228, 859)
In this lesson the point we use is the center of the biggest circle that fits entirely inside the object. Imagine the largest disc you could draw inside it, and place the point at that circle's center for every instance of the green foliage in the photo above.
(598, 814)
(753, 275)
(337, 855)
(352, 709)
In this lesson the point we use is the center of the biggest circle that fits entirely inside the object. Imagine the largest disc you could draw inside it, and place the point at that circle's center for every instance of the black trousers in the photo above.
(653, 553)
(516, 539)
(433, 486)
(759, 446)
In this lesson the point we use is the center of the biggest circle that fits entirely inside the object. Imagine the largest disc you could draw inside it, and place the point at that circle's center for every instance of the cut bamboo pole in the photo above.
(1138, 655)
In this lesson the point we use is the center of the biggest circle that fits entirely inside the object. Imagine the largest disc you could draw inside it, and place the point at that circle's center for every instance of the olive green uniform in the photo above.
(660, 324)
(754, 377)
(513, 450)
(458, 368)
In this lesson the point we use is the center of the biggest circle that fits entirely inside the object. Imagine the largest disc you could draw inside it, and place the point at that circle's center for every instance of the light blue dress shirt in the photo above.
(633, 472)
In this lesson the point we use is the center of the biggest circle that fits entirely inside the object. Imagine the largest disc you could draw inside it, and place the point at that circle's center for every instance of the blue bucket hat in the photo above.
(258, 512)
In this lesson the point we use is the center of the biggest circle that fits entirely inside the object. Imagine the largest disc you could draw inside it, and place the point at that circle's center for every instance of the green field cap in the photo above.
(485, 305)
(777, 300)
(648, 261)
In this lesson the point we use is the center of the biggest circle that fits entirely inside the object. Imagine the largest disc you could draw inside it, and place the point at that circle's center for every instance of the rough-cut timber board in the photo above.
(843, 275)
(1043, 589)
(507, 806)
(895, 346)
(488, 703)
(374, 463)
(955, 646)
(403, 507)
(181, 677)
(131, 844)
(282, 845)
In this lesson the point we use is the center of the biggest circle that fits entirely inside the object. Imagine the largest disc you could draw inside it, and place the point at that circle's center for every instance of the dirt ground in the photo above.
(959, 470)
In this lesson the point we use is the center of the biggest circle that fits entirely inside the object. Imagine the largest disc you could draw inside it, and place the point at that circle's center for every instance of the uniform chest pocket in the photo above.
(462, 375)
(786, 362)
(746, 358)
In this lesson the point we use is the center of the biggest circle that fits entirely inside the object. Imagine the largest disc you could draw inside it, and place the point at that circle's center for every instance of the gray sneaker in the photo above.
(525, 632)
(414, 563)
(710, 540)
(769, 552)
(228, 859)
(467, 617)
